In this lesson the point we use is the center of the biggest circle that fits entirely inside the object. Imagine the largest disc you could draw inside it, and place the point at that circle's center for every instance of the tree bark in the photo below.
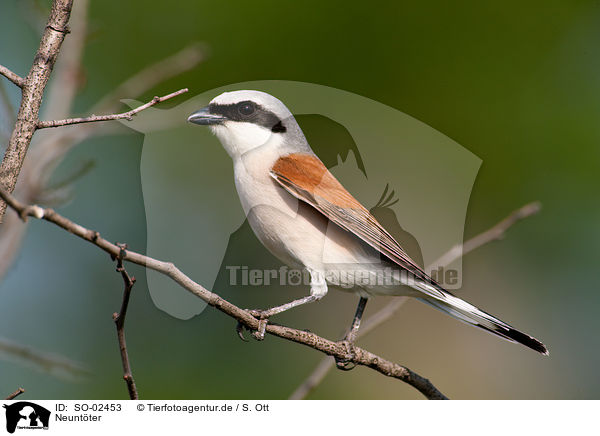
(32, 94)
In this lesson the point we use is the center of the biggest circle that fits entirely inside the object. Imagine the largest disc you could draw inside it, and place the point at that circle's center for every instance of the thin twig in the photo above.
(13, 77)
(331, 348)
(119, 319)
(15, 394)
(494, 233)
(95, 118)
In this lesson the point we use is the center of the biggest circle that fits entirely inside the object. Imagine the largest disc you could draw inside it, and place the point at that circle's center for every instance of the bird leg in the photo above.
(350, 338)
(318, 289)
(264, 314)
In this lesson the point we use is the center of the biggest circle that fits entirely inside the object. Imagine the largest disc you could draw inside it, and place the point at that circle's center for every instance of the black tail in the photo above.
(514, 335)
(463, 311)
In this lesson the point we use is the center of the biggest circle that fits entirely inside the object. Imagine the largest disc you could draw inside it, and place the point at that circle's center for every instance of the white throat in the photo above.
(239, 138)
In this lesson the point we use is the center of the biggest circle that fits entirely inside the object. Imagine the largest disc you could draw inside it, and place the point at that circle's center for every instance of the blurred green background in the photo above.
(517, 84)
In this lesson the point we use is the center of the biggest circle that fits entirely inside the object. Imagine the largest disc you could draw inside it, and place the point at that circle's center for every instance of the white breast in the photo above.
(293, 231)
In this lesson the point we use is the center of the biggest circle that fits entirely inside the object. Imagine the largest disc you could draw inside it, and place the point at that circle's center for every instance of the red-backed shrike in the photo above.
(305, 217)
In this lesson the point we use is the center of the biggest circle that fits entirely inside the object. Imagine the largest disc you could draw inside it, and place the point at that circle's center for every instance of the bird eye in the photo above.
(246, 108)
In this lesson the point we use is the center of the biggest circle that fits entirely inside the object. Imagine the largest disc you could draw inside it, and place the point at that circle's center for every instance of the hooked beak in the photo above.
(205, 118)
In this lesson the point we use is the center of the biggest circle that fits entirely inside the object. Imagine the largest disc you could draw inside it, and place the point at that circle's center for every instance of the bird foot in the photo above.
(345, 363)
(259, 334)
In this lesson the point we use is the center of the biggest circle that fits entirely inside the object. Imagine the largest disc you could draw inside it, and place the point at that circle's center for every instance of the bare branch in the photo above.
(334, 349)
(33, 91)
(67, 77)
(119, 319)
(124, 115)
(496, 232)
(13, 77)
(15, 394)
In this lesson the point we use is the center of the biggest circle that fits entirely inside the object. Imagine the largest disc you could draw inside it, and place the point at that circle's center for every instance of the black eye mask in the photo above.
(249, 112)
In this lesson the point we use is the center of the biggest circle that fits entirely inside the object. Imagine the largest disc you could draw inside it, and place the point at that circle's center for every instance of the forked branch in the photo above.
(119, 319)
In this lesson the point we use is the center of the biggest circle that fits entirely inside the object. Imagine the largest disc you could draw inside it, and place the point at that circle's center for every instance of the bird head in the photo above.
(245, 120)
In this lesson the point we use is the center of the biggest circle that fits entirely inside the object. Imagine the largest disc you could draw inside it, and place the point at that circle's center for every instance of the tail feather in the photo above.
(446, 302)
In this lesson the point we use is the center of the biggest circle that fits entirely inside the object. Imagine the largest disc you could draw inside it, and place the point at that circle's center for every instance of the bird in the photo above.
(306, 218)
